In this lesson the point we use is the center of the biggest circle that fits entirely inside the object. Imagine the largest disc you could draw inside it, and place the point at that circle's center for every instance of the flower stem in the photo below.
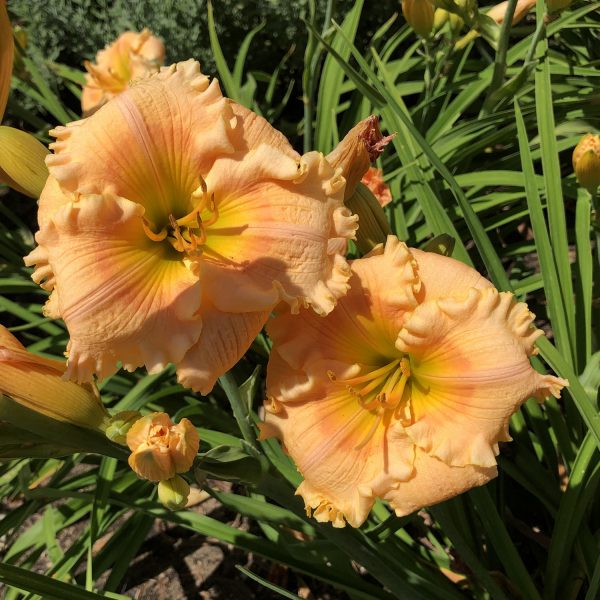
(239, 407)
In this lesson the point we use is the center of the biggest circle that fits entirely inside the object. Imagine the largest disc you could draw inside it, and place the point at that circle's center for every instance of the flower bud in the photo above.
(120, 424)
(420, 15)
(498, 11)
(22, 161)
(159, 448)
(7, 51)
(173, 493)
(442, 17)
(37, 384)
(373, 227)
(354, 154)
(555, 6)
(586, 162)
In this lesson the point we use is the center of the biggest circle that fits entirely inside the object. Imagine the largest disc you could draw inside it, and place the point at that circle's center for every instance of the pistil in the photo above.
(188, 233)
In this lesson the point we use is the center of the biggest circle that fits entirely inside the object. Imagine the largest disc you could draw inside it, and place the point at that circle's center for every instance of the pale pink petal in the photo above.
(470, 373)
(434, 481)
(280, 218)
(347, 455)
(150, 145)
(442, 276)
(363, 327)
(224, 339)
(120, 294)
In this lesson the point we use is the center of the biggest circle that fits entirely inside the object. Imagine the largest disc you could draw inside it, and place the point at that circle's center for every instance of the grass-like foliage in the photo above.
(482, 153)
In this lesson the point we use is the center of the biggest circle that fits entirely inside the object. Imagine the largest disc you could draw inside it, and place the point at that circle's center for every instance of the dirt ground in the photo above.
(175, 563)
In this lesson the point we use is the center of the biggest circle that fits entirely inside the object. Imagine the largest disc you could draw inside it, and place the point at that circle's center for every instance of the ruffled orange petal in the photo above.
(183, 445)
(361, 330)
(279, 231)
(434, 481)
(160, 449)
(151, 145)
(347, 455)
(122, 296)
(224, 339)
(252, 131)
(470, 372)
(442, 276)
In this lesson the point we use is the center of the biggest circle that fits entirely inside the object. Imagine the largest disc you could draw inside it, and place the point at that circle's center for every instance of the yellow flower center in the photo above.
(187, 234)
(380, 391)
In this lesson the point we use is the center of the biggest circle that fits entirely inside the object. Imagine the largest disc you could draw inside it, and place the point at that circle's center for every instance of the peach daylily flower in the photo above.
(130, 57)
(405, 390)
(172, 223)
(373, 179)
(159, 448)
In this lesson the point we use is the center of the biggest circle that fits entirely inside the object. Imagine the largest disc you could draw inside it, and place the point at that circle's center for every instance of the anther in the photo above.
(202, 238)
(155, 237)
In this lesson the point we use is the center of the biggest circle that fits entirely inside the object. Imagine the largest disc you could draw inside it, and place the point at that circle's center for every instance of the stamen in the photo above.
(371, 402)
(179, 244)
(202, 238)
(398, 389)
(155, 237)
(382, 389)
(205, 203)
(373, 374)
(391, 382)
(373, 385)
(371, 433)
(214, 209)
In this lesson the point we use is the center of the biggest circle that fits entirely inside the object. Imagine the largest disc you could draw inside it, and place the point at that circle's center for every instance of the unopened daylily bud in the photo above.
(173, 493)
(555, 6)
(120, 424)
(7, 51)
(420, 15)
(159, 448)
(373, 227)
(586, 162)
(22, 157)
(498, 11)
(37, 384)
(442, 17)
(354, 154)
(22, 162)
